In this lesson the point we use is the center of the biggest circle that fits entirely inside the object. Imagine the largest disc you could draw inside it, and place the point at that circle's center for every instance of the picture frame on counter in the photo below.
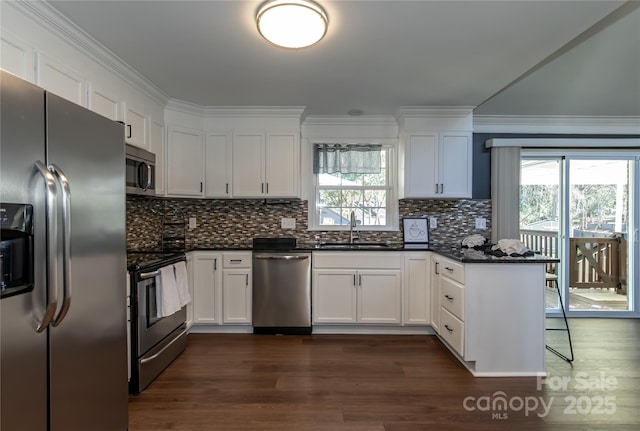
(415, 230)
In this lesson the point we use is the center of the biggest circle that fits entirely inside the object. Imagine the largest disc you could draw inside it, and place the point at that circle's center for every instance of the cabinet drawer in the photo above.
(453, 270)
(236, 260)
(452, 297)
(452, 331)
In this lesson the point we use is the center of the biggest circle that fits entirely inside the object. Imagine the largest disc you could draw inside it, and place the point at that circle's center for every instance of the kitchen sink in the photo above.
(354, 246)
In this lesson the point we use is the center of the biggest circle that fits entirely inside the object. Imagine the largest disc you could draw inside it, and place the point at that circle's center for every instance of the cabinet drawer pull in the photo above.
(448, 269)
(235, 260)
(450, 298)
(448, 329)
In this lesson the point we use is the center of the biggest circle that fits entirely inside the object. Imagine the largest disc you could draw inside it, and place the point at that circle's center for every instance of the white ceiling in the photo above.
(379, 55)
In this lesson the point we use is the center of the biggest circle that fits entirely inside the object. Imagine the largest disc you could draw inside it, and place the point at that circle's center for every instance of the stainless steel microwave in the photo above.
(141, 171)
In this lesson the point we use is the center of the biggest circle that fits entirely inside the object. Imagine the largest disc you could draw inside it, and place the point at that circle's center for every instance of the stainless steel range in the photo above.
(154, 341)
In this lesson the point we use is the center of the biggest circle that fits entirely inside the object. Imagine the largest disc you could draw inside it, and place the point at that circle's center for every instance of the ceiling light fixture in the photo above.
(292, 23)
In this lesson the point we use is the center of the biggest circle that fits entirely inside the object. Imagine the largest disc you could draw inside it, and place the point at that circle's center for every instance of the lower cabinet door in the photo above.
(334, 296)
(379, 297)
(236, 296)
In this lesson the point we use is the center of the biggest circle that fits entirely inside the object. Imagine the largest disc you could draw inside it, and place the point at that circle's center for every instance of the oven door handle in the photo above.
(152, 274)
(152, 357)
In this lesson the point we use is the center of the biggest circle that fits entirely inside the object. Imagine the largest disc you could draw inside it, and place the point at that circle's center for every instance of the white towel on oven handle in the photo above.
(182, 282)
(167, 296)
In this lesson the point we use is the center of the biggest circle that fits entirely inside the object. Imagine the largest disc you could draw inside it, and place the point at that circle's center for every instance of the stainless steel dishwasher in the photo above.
(281, 287)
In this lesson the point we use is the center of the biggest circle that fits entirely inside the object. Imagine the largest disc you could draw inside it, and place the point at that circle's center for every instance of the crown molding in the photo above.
(340, 120)
(434, 111)
(556, 124)
(47, 16)
(234, 111)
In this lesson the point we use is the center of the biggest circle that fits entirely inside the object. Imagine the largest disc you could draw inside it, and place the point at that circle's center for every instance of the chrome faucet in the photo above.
(353, 235)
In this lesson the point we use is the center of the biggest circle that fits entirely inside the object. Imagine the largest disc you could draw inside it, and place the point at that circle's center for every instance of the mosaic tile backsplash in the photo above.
(162, 224)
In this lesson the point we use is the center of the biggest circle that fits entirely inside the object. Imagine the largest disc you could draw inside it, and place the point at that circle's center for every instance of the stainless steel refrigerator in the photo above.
(63, 316)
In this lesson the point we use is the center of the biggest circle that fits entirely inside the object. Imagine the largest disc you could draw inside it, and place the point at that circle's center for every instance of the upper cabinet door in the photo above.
(438, 165)
(17, 57)
(60, 79)
(103, 103)
(281, 165)
(248, 165)
(185, 167)
(456, 163)
(421, 162)
(135, 127)
(157, 147)
(217, 165)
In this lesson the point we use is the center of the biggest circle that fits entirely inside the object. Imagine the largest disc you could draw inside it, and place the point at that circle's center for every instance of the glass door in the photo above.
(599, 216)
(583, 208)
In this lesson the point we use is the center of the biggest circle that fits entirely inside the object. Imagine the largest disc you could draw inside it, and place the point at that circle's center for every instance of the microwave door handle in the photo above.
(52, 270)
(149, 176)
(66, 243)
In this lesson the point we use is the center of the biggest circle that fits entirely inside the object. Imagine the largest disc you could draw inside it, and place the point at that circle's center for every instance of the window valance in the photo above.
(346, 158)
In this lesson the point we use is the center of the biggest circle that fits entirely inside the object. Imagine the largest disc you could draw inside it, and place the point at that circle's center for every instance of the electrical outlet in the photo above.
(192, 223)
(288, 223)
(433, 222)
(481, 223)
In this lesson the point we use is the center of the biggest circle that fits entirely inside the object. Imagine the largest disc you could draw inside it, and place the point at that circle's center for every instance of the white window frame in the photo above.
(391, 188)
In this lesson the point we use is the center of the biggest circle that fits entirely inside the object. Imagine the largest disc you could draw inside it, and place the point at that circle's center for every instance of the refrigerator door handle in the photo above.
(52, 270)
(66, 243)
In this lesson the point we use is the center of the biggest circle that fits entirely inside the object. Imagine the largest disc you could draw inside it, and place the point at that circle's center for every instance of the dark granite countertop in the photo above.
(464, 255)
(470, 255)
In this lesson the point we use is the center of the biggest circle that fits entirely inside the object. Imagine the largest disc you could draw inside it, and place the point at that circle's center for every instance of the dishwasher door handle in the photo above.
(282, 257)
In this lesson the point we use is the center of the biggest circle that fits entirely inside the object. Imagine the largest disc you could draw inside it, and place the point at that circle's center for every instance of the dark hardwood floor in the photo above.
(390, 383)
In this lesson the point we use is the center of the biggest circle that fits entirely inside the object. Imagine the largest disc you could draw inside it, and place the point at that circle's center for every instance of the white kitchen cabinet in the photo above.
(452, 304)
(217, 168)
(492, 315)
(135, 121)
(185, 168)
(334, 296)
(359, 287)
(437, 165)
(157, 146)
(237, 288)
(17, 56)
(416, 289)
(207, 284)
(60, 79)
(103, 103)
(379, 296)
(265, 165)
(435, 291)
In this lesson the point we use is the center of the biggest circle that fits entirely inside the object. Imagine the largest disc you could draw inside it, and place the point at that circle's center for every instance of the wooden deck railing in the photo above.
(595, 262)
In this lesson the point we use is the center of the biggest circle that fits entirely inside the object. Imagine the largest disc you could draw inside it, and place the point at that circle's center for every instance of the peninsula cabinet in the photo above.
(265, 165)
(492, 315)
(437, 165)
(359, 287)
